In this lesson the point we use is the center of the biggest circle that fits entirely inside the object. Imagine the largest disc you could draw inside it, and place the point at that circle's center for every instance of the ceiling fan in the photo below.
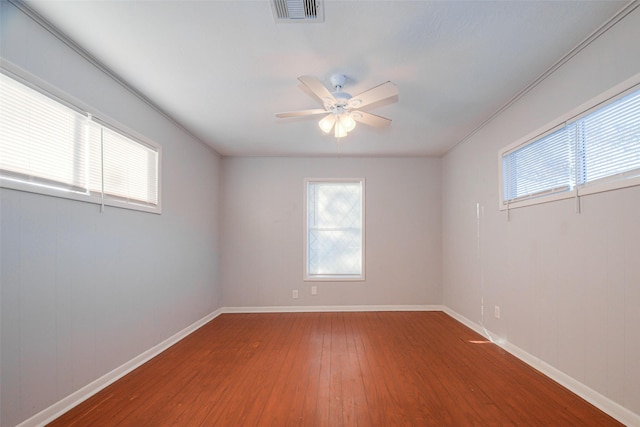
(343, 110)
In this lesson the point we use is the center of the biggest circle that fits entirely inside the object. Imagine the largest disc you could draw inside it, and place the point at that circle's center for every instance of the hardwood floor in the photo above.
(335, 369)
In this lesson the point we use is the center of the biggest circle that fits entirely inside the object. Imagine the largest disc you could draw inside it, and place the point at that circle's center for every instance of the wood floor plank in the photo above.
(335, 369)
(357, 406)
(323, 393)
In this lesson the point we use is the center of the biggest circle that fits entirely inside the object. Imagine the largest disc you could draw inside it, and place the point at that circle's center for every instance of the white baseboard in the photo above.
(57, 409)
(331, 308)
(601, 402)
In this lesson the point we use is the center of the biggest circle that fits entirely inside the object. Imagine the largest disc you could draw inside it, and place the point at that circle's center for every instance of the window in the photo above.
(598, 146)
(334, 237)
(542, 167)
(52, 148)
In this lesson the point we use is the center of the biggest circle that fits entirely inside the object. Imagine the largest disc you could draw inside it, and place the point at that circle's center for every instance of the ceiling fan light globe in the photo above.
(347, 122)
(339, 131)
(326, 124)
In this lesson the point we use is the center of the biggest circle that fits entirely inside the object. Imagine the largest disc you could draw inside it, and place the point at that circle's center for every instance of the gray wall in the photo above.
(83, 292)
(263, 231)
(568, 284)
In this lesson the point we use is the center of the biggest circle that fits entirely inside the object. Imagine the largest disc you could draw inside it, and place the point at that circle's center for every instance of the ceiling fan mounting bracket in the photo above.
(338, 81)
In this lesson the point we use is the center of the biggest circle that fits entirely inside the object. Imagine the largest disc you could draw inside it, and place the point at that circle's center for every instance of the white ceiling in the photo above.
(223, 69)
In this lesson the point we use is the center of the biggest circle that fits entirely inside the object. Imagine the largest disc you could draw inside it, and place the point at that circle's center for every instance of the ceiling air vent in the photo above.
(297, 10)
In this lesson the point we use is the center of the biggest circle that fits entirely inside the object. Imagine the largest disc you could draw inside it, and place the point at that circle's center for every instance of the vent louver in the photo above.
(297, 10)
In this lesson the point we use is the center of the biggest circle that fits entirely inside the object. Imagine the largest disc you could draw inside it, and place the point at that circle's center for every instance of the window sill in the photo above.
(334, 278)
(583, 190)
(75, 195)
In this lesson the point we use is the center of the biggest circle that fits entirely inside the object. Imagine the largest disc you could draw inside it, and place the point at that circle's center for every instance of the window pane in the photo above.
(545, 165)
(612, 139)
(41, 140)
(334, 235)
(335, 252)
(130, 168)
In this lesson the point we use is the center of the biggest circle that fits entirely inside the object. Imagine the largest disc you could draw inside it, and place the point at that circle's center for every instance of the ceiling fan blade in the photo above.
(370, 119)
(375, 94)
(318, 89)
(301, 113)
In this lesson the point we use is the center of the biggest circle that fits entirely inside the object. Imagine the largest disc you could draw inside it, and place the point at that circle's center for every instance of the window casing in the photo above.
(50, 147)
(594, 149)
(334, 230)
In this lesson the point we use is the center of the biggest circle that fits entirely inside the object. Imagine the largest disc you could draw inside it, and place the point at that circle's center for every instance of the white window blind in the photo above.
(611, 138)
(49, 145)
(129, 169)
(542, 167)
(334, 238)
(604, 143)
(41, 140)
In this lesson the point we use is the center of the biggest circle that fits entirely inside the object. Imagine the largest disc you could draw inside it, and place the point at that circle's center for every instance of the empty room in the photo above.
(319, 213)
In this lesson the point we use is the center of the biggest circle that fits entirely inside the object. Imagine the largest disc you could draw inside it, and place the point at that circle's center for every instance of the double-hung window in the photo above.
(53, 148)
(597, 149)
(334, 229)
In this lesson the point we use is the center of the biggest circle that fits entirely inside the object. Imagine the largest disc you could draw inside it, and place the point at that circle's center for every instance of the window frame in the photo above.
(333, 278)
(608, 183)
(54, 190)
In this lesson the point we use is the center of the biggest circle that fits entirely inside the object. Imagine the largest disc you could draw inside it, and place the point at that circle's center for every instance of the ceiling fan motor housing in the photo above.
(341, 99)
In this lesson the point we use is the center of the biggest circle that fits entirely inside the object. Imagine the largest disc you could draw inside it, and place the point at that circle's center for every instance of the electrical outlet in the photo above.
(496, 311)
(294, 294)
(314, 290)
